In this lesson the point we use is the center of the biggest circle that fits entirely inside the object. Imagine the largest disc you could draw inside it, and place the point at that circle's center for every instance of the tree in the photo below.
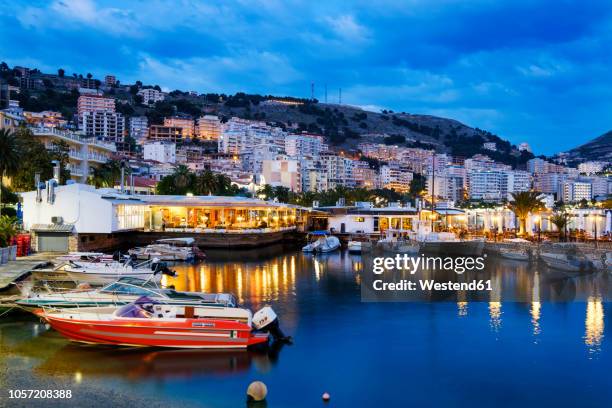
(8, 229)
(560, 220)
(38, 161)
(89, 76)
(106, 175)
(9, 157)
(61, 73)
(523, 203)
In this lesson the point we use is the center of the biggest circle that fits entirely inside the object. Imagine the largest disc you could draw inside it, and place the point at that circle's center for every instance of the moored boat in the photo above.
(124, 291)
(565, 262)
(321, 242)
(148, 323)
(359, 243)
(398, 245)
(515, 254)
(169, 249)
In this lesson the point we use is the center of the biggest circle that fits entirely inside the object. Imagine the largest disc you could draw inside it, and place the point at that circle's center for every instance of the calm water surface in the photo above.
(473, 354)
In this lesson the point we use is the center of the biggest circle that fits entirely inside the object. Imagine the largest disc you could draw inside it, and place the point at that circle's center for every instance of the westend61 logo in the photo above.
(405, 278)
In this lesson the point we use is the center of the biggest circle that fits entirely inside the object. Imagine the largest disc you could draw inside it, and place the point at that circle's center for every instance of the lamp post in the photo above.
(538, 220)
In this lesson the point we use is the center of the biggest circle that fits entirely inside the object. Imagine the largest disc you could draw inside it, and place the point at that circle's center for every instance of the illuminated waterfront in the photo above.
(459, 353)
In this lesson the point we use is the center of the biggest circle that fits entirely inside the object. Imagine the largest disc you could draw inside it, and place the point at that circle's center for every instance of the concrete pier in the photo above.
(14, 271)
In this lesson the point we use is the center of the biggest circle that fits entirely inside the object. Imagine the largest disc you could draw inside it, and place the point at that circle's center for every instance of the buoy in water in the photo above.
(257, 391)
(326, 396)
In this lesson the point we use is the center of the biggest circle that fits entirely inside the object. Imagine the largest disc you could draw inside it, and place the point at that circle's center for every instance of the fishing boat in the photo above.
(124, 291)
(359, 243)
(321, 242)
(566, 262)
(148, 323)
(446, 243)
(170, 249)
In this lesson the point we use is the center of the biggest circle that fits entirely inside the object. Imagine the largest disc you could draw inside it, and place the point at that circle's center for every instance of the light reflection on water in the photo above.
(343, 344)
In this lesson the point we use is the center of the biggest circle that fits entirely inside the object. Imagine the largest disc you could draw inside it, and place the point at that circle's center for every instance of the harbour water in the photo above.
(537, 353)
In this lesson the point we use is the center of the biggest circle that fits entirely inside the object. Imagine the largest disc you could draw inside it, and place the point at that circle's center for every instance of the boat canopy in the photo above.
(319, 233)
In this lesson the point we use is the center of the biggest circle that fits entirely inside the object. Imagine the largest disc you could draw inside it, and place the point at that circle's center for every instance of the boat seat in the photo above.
(164, 311)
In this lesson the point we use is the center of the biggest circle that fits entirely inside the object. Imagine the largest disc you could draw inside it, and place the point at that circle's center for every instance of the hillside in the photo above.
(599, 149)
(343, 126)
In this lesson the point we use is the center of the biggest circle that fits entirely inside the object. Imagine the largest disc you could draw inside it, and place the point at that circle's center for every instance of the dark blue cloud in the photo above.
(531, 71)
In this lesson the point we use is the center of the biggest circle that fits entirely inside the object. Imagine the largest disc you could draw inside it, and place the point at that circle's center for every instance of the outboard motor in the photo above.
(265, 320)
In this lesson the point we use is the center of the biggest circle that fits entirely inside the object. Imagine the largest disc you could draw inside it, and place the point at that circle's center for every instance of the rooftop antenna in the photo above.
(339, 96)
(312, 91)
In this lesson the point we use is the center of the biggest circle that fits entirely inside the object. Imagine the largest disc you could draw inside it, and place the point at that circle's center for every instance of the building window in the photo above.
(375, 224)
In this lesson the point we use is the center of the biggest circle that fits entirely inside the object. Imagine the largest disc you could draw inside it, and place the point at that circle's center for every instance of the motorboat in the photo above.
(360, 243)
(566, 262)
(516, 254)
(148, 323)
(121, 292)
(170, 249)
(321, 242)
(398, 245)
(85, 257)
(446, 243)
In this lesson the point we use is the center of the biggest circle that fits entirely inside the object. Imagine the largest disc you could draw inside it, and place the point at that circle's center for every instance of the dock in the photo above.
(14, 271)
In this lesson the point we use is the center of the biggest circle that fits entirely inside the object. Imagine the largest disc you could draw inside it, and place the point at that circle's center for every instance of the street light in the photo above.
(538, 220)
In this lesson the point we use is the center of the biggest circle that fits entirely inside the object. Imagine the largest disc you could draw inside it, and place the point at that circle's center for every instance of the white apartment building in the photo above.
(252, 160)
(450, 183)
(282, 171)
(364, 176)
(163, 152)
(208, 127)
(549, 183)
(492, 146)
(105, 125)
(139, 128)
(90, 103)
(592, 167)
(314, 175)
(240, 135)
(150, 96)
(515, 181)
(574, 191)
(480, 162)
(304, 145)
(339, 170)
(396, 177)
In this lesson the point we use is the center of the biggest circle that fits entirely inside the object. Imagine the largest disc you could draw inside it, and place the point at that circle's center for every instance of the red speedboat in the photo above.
(147, 323)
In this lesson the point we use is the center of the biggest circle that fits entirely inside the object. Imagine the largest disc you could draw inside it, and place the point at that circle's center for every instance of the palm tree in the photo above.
(8, 229)
(522, 204)
(560, 220)
(9, 157)
(207, 183)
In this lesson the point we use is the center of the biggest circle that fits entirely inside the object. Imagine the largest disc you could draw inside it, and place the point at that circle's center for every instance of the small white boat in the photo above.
(565, 262)
(169, 249)
(103, 272)
(321, 242)
(446, 243)
(398, 245)
(359, 243)
(516, 254)
(85, 257)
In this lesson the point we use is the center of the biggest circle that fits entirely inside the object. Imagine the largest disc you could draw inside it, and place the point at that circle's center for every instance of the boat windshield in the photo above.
(127, 289)
(133, 310)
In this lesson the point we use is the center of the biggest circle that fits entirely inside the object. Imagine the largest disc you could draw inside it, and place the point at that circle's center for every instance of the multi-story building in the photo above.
(240, 135)
(574, 191)
(163, 152)
(84, 153)
(485, 185)
(364, 176)
(524, 147)
(537, 165)
(339, 170)
(105, 125)
(492, 146)
(396, 177)
(549, 183)
(151, 95)
(283, 171)
(208, 127)
(167, 133)
(515, 181)
(599, 186)
(304, 145)
(45, 119)
(139, 127)
(415, 159)
(252, 160)
(94, 102)
(110, 81)
(592, 167)
(314, 175)
(186, 124)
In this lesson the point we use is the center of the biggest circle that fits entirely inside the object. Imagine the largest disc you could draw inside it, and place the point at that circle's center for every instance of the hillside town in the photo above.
(106, 143)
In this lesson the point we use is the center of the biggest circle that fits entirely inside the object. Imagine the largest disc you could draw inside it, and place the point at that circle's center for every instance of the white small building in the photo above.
(159, 151)
(363, 217)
